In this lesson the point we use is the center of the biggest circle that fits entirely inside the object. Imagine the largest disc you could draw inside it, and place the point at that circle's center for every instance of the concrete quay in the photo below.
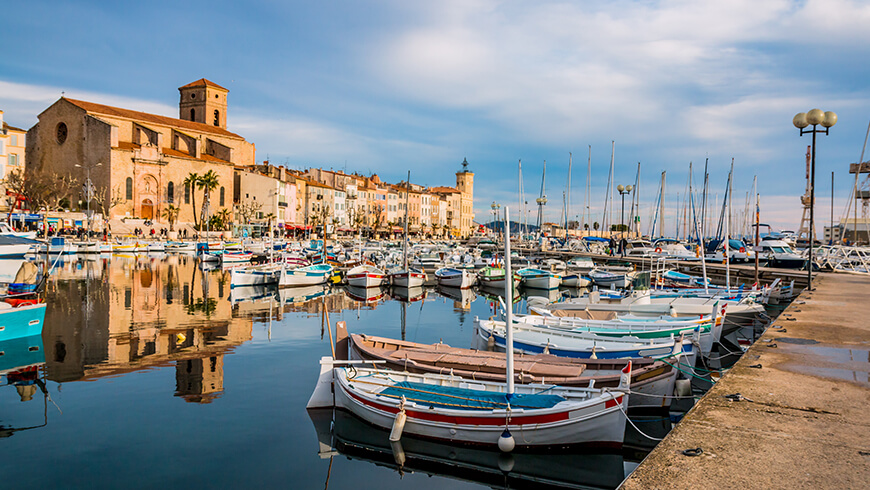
(803, 418)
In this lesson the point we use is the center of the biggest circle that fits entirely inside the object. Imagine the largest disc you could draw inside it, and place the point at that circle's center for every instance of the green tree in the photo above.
(191, 182)
(171, 214)
(207, 182)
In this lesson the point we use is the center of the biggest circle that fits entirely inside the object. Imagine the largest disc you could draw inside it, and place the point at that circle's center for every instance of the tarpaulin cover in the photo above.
(466, 399)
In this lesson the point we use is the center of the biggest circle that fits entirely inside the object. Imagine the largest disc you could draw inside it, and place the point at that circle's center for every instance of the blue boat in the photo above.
(21, 321)
(21, 354)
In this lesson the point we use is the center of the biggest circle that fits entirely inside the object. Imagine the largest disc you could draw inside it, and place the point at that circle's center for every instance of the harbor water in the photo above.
(157, 373)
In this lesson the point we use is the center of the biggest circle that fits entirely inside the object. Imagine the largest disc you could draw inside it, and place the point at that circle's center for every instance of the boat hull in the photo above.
(597, 423)
(459, 279)
(303, 276)
(23, 321)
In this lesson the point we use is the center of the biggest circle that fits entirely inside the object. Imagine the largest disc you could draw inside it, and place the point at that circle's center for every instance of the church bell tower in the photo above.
(205, 102)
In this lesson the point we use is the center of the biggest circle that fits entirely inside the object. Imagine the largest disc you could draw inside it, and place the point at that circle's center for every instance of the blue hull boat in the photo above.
(23, 321)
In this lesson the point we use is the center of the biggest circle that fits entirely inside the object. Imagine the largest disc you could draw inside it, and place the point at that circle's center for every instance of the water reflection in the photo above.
(339, 432)
(21, 361)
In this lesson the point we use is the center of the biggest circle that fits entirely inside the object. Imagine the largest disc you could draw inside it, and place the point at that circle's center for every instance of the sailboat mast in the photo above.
(568, 192)
(662, 207)
(588, 188)
(508, 297)
(405, 240)
(727, 240)
(635, 204)
(521, 206)
(610, 185)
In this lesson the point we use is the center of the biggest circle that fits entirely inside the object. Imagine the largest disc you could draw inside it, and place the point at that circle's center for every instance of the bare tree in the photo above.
(41, 189)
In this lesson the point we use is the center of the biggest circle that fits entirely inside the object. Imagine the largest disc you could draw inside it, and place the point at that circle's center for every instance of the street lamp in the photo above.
(623, 190)
(801, 120)
(89, 192)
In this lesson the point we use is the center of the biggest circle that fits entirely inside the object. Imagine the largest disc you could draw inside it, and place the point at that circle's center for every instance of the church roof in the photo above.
(202, 82)
(443, 190)
(106, 110)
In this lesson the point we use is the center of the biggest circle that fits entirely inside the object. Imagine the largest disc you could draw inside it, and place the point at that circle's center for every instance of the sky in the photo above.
(390, 86)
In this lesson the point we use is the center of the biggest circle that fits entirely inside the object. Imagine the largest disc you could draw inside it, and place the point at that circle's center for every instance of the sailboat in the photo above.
(407, 277)
(451, 408)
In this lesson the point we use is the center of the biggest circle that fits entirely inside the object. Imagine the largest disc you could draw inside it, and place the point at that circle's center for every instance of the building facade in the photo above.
(138, 162)
(12, 145)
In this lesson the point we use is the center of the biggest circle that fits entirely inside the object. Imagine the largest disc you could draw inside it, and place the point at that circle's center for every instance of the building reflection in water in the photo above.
(112, 316)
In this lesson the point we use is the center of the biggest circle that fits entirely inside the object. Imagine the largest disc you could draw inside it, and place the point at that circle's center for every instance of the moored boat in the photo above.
(305, 276)
(455, 278)
(366, 276)
(539, 279)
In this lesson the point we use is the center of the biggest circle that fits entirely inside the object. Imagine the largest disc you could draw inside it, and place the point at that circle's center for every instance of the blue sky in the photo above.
(388, 86)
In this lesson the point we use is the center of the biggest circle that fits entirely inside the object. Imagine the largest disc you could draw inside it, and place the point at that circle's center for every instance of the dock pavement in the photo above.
(794, 412)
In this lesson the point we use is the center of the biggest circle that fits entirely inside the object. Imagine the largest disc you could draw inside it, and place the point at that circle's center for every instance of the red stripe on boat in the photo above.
(437, 417)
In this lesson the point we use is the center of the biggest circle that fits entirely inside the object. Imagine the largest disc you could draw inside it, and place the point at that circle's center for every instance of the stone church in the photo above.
(139, 159)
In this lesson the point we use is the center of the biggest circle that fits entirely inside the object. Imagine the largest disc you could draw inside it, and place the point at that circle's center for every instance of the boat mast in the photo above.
(700, 235)
(662, 206)
(704, 198)
(610, 179)
(727, 240)
(542, 200)
(635, 204)
(405, 240)
(508, 296)
(521, 206)
(568, 192)
(588, 214)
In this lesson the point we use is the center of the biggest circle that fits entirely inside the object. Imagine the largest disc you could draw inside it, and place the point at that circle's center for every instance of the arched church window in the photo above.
(170, 192)
(187, 194)
(193, 114)
(222, 196)
(217, 117)
(129, 188)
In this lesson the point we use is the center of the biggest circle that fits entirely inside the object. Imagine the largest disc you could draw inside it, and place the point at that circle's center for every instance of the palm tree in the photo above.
(171, 214)
(207, 182)
(190, 182)
(224, 217)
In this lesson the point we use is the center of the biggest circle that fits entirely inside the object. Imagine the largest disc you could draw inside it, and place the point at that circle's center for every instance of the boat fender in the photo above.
(506, 442)
(683, 388)
(490, 343)
(398, 423)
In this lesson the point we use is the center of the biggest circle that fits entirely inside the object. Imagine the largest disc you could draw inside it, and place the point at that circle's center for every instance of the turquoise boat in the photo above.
(21, 321)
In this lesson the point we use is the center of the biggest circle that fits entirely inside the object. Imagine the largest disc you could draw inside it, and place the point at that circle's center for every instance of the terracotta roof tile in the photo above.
(444, 190)
(175, 153)
(126, 145)
(202, 82)
(152, 118)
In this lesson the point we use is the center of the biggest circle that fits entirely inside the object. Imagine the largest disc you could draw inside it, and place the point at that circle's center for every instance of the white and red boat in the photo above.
(460, 410)
(407, 278)
(366, 276)
(236, 257)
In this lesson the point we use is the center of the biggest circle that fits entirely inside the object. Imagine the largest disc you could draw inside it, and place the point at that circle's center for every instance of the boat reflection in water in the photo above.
(408, 295)
(22, 361)
(353, 438)
(366, 295)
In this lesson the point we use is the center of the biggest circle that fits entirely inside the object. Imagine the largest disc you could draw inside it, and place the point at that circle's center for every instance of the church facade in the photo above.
(138, 161)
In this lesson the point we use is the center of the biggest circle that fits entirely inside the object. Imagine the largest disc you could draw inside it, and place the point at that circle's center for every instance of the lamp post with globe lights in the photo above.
(801, 120)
